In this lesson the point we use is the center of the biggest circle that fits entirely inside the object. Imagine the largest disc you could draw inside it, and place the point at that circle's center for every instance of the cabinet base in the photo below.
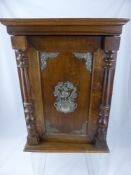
(65, 148)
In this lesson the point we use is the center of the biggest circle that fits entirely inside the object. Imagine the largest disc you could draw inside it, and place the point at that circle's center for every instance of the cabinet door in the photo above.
(66, 76)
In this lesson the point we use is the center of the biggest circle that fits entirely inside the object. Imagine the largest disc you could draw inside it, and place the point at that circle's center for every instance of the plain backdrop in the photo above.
(13, 161)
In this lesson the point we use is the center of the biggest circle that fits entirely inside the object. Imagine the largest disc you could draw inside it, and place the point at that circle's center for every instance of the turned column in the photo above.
(110, 47)
(19, 43)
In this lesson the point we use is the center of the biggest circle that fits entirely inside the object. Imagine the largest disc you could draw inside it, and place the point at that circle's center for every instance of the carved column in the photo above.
(111, 45)
(20, 46)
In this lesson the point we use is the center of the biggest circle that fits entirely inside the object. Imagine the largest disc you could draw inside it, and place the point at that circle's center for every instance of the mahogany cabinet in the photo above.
(66, 69)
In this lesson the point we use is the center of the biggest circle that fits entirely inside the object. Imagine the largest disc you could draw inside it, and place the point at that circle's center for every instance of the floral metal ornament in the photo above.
(66, 94)
(44, 56)
(85, 56)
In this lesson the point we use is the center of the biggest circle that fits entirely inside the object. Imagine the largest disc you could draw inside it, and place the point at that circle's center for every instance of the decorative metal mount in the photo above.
(66, 94)
(85, 56)
(44, 56)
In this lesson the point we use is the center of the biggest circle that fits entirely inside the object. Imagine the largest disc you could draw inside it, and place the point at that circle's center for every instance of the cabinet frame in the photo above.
(108, 33)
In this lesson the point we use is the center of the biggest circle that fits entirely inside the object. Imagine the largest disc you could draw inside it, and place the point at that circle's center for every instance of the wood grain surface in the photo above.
(50, 130)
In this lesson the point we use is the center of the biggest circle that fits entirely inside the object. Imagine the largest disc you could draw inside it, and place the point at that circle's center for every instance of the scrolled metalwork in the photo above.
(87, 56)
(66, 94)
(44, 56)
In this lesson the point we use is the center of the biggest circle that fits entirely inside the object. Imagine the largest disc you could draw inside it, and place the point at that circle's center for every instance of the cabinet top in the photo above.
(63, 21)
(64, 26)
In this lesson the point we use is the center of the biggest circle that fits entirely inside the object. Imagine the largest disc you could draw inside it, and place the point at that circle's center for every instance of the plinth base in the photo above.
(65, 148)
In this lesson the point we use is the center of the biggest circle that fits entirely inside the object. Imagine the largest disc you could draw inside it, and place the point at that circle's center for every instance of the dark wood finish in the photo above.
(65, 148)
(19, 43)
(85, 129)
(111, 45)
(64, 21)
(98, 26)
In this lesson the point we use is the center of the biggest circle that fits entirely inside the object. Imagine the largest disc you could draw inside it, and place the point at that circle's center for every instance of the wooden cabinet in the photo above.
(66, 69)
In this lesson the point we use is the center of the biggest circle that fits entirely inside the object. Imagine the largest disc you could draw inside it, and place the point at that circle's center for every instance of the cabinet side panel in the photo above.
(35, 84)
(96, 91)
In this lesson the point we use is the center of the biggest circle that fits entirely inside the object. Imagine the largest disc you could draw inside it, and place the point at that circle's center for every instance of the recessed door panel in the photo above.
(66, 74)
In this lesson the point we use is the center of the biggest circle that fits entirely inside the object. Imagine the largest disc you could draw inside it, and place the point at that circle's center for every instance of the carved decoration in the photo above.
(66, 94)
(109, 59)
(44, 56)
(82, 130)
(22, 64)
(102, 125)
(22, 61)
(87, 57)
(100, 138)
(31, 125)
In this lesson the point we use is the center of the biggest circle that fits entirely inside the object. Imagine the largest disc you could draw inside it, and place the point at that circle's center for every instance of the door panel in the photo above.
(65, 60)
